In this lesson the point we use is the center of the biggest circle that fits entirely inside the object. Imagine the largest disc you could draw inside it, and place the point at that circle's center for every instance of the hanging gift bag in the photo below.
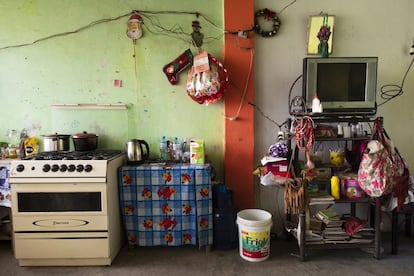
(382, 169)
(376, 172)
(402, 174)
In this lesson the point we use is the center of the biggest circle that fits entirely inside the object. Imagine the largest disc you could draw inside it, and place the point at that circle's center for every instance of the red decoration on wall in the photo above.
(209, 86)
(172, 69)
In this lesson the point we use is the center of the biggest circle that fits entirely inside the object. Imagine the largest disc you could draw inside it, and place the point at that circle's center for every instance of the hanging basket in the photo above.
(209, 86)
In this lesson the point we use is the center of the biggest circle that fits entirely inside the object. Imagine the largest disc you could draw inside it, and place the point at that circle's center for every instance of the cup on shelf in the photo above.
(347, 131)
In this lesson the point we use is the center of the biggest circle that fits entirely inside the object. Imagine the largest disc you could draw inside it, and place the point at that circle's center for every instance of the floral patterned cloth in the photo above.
(5, 195)
(376, 170)
(167, 205)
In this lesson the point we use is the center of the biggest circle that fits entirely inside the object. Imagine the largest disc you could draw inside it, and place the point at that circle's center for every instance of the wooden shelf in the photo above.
(89, 106)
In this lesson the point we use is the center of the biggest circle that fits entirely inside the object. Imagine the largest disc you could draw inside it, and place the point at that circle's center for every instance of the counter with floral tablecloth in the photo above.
(5, 200)
(4, 183)
(167, 205)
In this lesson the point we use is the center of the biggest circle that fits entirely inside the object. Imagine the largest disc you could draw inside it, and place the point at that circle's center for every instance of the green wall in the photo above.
(81, 67)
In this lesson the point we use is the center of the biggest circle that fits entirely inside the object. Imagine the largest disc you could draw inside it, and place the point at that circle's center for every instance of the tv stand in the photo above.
(373, 204)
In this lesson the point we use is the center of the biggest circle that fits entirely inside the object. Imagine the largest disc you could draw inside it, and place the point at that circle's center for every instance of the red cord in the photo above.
(304, 133)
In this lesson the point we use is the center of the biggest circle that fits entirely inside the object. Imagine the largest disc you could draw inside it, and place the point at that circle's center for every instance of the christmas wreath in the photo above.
(267, 15)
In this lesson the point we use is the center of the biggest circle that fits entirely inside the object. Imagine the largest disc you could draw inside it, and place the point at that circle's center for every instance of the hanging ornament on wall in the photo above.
(174, 68)
(134, 30)
(206, 84)
(196, 35)
(266, 23)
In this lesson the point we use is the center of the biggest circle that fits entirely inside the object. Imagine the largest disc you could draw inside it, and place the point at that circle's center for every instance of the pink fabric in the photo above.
(352, 225)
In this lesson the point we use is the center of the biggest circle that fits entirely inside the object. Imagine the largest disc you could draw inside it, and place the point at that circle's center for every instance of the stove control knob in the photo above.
(63, 168)
(46, 167)
(88, 168)
(71, 168)
(20, 168)
(55, 168)
(79, 168)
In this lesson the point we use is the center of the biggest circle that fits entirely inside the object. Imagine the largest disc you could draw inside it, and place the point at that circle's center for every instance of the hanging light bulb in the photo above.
(134, 30)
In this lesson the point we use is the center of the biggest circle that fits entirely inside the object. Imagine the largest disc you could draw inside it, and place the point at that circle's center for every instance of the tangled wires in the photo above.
(304, 133)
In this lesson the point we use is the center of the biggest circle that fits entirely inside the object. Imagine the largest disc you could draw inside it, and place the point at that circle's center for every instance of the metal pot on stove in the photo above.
(56, 142)
(85, 141)
(137, 151)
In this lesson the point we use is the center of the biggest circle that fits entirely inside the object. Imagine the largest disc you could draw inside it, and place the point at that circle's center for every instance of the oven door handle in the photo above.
(65, 235)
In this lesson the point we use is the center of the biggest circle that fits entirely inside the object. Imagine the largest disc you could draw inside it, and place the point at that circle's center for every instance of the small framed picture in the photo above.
(314, 25)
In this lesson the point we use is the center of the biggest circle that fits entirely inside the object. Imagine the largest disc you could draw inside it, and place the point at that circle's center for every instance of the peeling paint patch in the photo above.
(104, 63)
(95, 127)
(29, 7)
(74, 124)
(33, 128)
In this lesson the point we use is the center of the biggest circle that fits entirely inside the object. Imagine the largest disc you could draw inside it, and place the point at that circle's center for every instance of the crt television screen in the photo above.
(340, 82)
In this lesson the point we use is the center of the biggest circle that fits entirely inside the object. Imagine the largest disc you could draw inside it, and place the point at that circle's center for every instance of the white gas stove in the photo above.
(65, 208)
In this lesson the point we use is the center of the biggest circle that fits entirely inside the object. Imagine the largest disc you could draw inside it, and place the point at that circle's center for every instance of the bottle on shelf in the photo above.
(340, 132)
(163, 149)
(316, 104)
(177, 150)
(335, 187)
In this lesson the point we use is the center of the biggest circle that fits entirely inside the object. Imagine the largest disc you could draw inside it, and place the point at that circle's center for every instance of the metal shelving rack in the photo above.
(375, 210)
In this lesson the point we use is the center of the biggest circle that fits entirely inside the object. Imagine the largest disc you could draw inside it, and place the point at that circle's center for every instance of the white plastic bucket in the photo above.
(254, 234)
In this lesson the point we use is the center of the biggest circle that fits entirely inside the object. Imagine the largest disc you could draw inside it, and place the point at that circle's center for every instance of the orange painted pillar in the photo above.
(239, 125)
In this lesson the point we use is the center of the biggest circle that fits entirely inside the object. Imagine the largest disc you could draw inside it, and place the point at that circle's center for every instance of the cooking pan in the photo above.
(85, 141)
(56, 142)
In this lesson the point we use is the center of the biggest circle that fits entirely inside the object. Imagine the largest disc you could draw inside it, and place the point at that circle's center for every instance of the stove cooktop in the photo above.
(59, 165)
(75, 155)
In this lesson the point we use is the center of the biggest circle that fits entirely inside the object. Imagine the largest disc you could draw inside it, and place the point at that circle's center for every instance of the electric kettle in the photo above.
(137, 151)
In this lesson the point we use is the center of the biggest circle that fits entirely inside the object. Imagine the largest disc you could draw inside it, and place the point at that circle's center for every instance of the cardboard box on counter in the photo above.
(196, 151)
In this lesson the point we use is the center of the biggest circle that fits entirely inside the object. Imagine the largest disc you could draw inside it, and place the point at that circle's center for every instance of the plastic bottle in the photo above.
(316, 104)
(177, 150)
(340, 131)
(335, 187)
(163, 149)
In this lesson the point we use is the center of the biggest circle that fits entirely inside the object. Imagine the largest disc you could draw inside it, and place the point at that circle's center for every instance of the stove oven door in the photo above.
(59, 207)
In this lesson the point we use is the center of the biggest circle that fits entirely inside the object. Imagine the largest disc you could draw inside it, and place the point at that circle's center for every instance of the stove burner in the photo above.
(75, 155)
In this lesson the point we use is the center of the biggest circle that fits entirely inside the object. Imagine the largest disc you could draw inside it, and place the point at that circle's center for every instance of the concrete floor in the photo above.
(192, 261)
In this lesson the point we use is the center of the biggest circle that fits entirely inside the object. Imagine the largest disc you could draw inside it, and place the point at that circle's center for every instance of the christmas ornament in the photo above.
(263, 16)
(134, 30)
(175, 67)
(207, 86)
(196, 35)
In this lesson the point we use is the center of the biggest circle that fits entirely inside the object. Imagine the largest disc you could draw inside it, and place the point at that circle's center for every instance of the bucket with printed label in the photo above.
(254, 234)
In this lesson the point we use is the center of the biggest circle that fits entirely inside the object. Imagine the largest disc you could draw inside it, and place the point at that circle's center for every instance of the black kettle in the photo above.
(137, 151)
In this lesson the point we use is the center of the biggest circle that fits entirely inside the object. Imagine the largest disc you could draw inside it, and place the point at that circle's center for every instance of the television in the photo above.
(344, 85)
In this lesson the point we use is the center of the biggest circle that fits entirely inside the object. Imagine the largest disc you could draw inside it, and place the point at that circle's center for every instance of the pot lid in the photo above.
(56, 135)
(84, 135)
